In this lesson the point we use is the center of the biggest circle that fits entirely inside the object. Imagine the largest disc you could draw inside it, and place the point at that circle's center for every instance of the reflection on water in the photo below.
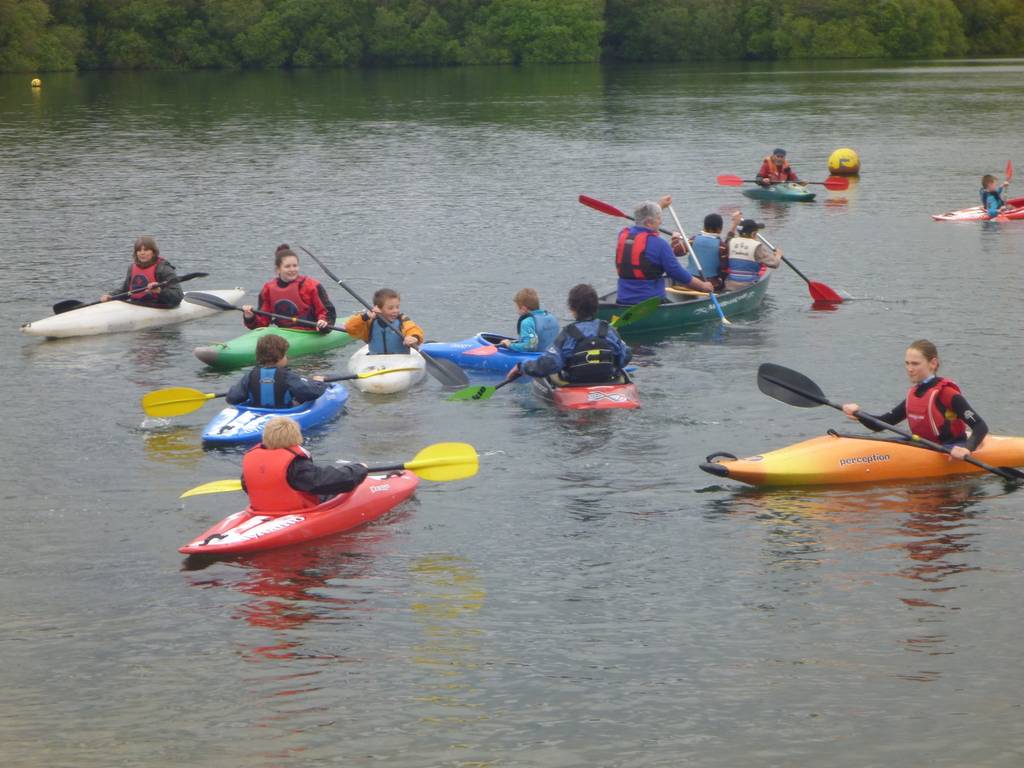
(173, 444)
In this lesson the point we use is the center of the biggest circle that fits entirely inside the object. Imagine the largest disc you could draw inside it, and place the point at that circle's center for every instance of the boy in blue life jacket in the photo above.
(537, 328)
(992, 195)
(587, 351)
(711, 250)
(372, 326)
(270, 384)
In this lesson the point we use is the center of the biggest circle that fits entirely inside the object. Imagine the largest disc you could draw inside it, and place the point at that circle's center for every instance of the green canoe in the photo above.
(788, 192)
(681, 311)
(242, 351)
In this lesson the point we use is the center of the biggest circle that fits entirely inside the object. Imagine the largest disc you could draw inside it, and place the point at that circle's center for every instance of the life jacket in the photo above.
(775, 173)
(630, 260)
(927, 417)
(706, 249)
(141, 277)
(290, 302)
(743, 266)
(545, 325)
(593, 358)
(266, 480)
(268, 388)
(384, 342)
(991, 201)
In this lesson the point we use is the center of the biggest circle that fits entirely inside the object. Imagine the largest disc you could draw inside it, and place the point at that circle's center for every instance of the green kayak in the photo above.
(684, 309)
(242, 351)
(788, 192)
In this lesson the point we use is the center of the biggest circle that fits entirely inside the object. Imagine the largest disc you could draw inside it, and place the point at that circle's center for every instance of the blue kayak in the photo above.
(244, 424)
(490, 358)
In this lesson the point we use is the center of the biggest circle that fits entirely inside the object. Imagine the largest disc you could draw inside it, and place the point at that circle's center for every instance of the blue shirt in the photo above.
(658, 252)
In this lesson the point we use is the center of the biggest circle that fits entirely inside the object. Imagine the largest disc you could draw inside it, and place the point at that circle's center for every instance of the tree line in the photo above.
(47, 35)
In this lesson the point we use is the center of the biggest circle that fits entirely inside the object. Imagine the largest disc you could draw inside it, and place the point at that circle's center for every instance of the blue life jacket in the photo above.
(706, 249)
(991, 201)
(383, 341)
(545, 325)
(268, 388)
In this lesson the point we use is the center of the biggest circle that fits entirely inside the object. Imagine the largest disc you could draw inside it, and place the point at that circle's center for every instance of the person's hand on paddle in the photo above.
(153, 288)
(678, 246)
(318, 377)
(851, 409)
(514, 373)
(247, 311)
(321, 324)
(764, 181)
(958, 452)
(701, 285)
(105, 297)
(665, 202)
(411, 341)
(506, 343)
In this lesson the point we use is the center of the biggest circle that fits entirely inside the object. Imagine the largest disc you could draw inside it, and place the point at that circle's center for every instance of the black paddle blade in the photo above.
(66, 306)
(445, 371)
(208, 300)
(789, 386)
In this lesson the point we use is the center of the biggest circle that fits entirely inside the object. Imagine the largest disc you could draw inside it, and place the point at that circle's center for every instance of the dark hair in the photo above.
(926, 348)
(270, 349)
(987, 179)
(282, 253)
(148, 242)
(583, 301)
(713, 222)
(282, 247)
(383, 294)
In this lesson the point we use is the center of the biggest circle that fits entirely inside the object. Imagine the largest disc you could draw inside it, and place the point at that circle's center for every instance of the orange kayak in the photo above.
(836, 459)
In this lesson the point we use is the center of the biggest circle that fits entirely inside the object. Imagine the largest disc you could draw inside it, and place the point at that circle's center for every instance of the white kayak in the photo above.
(387, 383)
(119, 316)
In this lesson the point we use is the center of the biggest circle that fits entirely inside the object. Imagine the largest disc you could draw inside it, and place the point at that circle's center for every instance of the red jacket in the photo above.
(772, 173)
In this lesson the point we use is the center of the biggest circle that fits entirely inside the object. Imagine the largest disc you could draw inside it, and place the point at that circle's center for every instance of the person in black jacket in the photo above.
(270, 384)
(145, 274)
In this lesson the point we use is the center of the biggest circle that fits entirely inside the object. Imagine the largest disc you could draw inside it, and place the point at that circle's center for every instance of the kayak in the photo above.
(120, 316)
(587, 397)
(684, 308)
(247, 531)
(241, 351)
(836, 459)
(783, 192)
(978, 214)
(244, 424)
(479, 353)
(388, 383)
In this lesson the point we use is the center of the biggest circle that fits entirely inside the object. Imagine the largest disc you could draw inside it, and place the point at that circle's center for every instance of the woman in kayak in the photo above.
(279, 474)
(934, 407)
(293, 295)
(151, 280)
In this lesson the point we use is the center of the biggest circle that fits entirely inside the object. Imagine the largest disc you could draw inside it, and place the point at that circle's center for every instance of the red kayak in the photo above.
(976, 213)
(245, 531)
(588, 397)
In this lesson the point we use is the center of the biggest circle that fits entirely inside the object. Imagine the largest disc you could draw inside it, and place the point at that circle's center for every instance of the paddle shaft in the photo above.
(788, 262)
(80, 305)
(327, 380)
(700, 270)
(886, 426)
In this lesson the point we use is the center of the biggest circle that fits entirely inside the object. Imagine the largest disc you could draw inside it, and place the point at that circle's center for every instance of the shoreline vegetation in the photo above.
(72, 35)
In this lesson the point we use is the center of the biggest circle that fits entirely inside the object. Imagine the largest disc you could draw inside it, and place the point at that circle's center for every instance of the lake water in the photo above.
(590, 598)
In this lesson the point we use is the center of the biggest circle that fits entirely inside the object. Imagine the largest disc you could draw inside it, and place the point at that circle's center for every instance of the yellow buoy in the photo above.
(36, 82)
(844, 162)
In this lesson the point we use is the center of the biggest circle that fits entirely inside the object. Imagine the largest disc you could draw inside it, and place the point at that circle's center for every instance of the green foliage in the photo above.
(41, 35)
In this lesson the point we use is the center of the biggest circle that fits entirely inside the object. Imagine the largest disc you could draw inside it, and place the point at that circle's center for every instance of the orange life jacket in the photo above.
(266, 480)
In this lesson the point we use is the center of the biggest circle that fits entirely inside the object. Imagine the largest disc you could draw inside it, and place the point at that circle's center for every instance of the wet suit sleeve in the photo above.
(303, 390)
(325, 309)
(125, 284)
(895, 416)
(259, 321)
(304, 475)
(979, 429)
(552, 361)
(239, 392)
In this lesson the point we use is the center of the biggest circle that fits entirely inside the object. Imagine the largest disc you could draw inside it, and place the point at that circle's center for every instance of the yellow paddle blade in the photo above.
(445, 461)
(214, 486)
(368, 374)
(174, 401)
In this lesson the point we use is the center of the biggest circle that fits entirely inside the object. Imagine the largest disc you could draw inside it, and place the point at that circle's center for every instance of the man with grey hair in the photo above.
(642, 259)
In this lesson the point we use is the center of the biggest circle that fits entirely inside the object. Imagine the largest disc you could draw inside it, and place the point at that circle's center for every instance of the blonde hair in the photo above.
(281, 432)
(527, 297)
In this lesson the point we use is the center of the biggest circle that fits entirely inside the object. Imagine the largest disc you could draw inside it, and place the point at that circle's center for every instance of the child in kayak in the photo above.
(747, 254)
(270, 384)
(775, 169)
(537, 327)
(145, 274)
(934, 407)
(280, 477)
(372, 326)
(711, 250)
(292, 295)
(587, 351)
(992, 195)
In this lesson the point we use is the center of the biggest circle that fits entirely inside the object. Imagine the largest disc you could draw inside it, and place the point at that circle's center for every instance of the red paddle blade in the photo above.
(729, 181)
(603, 207)
(837, 183)
(485, 351)
(822, 293)
(1009, 170)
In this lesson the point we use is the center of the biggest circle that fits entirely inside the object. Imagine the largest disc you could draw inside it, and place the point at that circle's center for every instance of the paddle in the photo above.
(1009, 171)
(700, 270)
(631, 315)
(177, 401)
(216, 302)
(445, 371)
(68, 304)
(835, 183)
(796, 389)
(440, 462)
(819, 291)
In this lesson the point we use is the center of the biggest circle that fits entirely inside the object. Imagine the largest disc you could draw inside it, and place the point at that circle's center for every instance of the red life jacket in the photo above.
(927, 416)
(630, 261)
(774, 172)
(140, 278)
(290, 301)
(266, 480)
